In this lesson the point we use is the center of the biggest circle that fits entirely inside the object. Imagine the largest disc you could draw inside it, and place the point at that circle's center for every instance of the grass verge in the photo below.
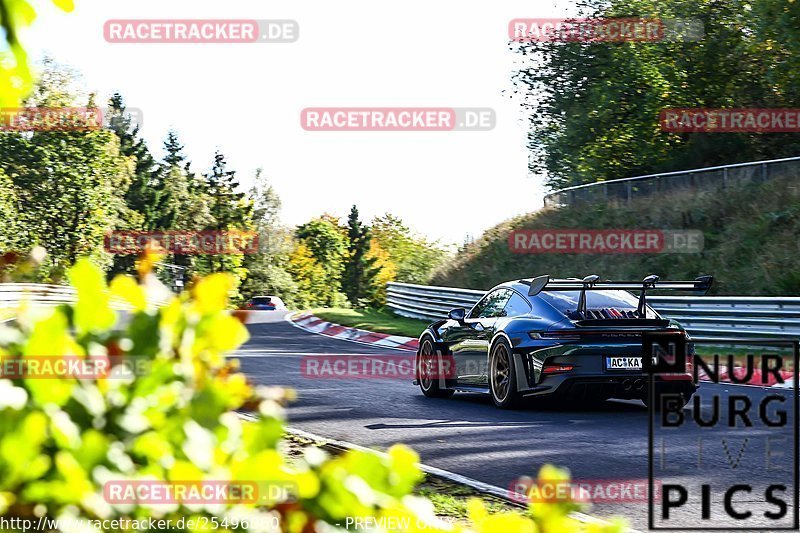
(377, 320)
(449, 499)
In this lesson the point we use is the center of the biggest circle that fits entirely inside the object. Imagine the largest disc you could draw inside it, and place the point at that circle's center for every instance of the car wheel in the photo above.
(503, 376)
(427, 362)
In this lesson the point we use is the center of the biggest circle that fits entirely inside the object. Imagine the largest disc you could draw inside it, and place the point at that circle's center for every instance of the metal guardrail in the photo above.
(12, 294)
(702, 316)
(707, 178)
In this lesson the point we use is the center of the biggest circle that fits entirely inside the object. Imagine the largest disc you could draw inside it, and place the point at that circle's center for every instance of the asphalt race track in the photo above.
(468, 435)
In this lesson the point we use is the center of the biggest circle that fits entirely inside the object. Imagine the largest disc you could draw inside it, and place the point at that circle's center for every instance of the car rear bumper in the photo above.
(631, 386)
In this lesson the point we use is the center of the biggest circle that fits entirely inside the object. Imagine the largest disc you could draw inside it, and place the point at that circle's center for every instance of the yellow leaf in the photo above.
(211, 293)
(126, 288)
(225, 333)
(93, 311)
(66, 5)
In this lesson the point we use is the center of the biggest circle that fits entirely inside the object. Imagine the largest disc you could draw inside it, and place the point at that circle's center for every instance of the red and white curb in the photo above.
(756, 379)
(311, 323)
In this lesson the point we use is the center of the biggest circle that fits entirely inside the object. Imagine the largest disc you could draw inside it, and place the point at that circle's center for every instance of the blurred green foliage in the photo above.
(62, 439)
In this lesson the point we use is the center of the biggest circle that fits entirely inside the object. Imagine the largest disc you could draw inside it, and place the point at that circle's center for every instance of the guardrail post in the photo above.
(764, 172)
(725, 178)
(629, 190)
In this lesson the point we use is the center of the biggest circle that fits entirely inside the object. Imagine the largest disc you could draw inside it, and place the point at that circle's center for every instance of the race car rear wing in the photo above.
(538, 284)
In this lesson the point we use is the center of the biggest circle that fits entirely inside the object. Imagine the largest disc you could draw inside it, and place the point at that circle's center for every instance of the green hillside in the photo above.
(752, 242)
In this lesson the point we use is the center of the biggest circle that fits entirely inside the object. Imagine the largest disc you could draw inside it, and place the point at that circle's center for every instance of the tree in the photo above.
(313, 289)
(189, 204)
(229, 207)
(327, 243)
(386, 271)
(415, 259)
(594, 108)
(358, 281)
(266, 202)
(148, 195)
(230, 210)
(267, 270)
(174, 150)
(70, 188)
(11, 231)
(69, 185)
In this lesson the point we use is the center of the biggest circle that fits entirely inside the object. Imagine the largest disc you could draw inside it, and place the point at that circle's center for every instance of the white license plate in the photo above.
(623, 363)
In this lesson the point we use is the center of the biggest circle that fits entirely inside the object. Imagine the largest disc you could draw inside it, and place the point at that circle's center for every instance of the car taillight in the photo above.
(555, 369)
(566, 336)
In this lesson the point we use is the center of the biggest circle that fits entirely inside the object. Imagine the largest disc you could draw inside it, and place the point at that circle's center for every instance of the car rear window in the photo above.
(262, 300)
(566, 301)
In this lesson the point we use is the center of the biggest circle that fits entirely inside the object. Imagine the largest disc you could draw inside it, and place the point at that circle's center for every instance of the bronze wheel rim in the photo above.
(426, 364)
(501, 373)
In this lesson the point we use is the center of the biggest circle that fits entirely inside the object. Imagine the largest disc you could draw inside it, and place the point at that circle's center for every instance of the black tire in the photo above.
(429, 385)
(503, 376)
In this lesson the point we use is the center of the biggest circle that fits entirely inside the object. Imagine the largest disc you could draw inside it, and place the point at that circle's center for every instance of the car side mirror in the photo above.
(458, 314)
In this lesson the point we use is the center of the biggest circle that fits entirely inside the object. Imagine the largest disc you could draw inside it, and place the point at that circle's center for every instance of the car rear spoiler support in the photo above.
(700, 285)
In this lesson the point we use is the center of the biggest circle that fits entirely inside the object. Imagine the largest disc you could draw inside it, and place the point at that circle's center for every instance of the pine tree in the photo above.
(360, 272)
(147, 193)
(230, 209)
(228, 206)
(174, 150)
(189, 204)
